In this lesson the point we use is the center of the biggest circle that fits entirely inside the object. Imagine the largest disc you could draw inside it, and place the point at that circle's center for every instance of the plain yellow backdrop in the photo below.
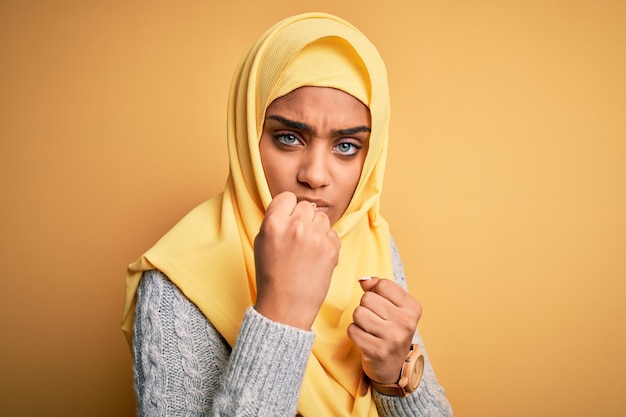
(505, 188)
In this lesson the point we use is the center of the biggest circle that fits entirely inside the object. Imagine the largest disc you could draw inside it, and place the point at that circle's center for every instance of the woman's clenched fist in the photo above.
(295, 254)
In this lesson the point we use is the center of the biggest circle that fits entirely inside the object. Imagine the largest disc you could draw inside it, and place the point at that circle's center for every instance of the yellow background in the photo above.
(506, 186)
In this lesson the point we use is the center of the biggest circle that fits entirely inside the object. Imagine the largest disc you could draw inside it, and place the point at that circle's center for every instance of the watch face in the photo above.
(416, 375)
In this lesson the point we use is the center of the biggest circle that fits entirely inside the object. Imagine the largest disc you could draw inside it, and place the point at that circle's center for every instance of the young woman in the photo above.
(265, 300)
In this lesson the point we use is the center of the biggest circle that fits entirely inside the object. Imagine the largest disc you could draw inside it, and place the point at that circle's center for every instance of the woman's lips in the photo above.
(320, 205)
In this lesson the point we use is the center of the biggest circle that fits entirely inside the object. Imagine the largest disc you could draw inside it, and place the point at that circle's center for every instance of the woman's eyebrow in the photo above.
(351, 131)
(291, 123)
(303, 126)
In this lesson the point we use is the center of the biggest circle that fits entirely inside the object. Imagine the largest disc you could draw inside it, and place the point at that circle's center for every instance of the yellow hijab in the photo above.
(209, 256)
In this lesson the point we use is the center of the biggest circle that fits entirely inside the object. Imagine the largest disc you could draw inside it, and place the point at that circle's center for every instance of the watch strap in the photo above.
(410, 375)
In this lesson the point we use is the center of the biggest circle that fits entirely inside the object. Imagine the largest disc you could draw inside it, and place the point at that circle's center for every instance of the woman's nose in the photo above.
(314, 169)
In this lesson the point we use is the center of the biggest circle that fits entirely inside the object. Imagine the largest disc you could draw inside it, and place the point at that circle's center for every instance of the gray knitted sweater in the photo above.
(183, 366)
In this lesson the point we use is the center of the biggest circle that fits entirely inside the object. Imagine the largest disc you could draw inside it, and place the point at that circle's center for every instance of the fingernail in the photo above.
(365, 278)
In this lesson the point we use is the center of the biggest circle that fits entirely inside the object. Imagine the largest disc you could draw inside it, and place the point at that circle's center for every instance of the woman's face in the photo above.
(314, 143)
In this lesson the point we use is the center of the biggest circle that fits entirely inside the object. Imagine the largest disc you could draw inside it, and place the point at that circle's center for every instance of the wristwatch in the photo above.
(410, 375)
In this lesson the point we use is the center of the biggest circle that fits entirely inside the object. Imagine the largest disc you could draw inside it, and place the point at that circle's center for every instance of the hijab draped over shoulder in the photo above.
(209, 256)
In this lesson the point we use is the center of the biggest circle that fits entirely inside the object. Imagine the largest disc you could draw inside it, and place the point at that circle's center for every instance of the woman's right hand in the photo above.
(295, 254)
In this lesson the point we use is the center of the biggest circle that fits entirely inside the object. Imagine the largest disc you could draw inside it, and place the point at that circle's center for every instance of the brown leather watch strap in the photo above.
(410, 376)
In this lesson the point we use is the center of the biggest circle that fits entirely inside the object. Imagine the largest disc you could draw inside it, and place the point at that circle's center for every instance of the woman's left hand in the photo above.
(383, 328)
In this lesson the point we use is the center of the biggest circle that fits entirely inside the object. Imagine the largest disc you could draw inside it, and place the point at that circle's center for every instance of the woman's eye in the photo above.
(287, 139)
(347, 148)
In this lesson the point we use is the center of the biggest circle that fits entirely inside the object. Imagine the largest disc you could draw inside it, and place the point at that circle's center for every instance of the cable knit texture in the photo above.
(183, 366)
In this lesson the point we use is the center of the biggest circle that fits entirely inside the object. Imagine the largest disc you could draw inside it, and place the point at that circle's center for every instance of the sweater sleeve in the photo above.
(429, 399)
(183, 366)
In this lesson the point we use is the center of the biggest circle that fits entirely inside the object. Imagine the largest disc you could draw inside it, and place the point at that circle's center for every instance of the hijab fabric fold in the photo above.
(209, 256)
